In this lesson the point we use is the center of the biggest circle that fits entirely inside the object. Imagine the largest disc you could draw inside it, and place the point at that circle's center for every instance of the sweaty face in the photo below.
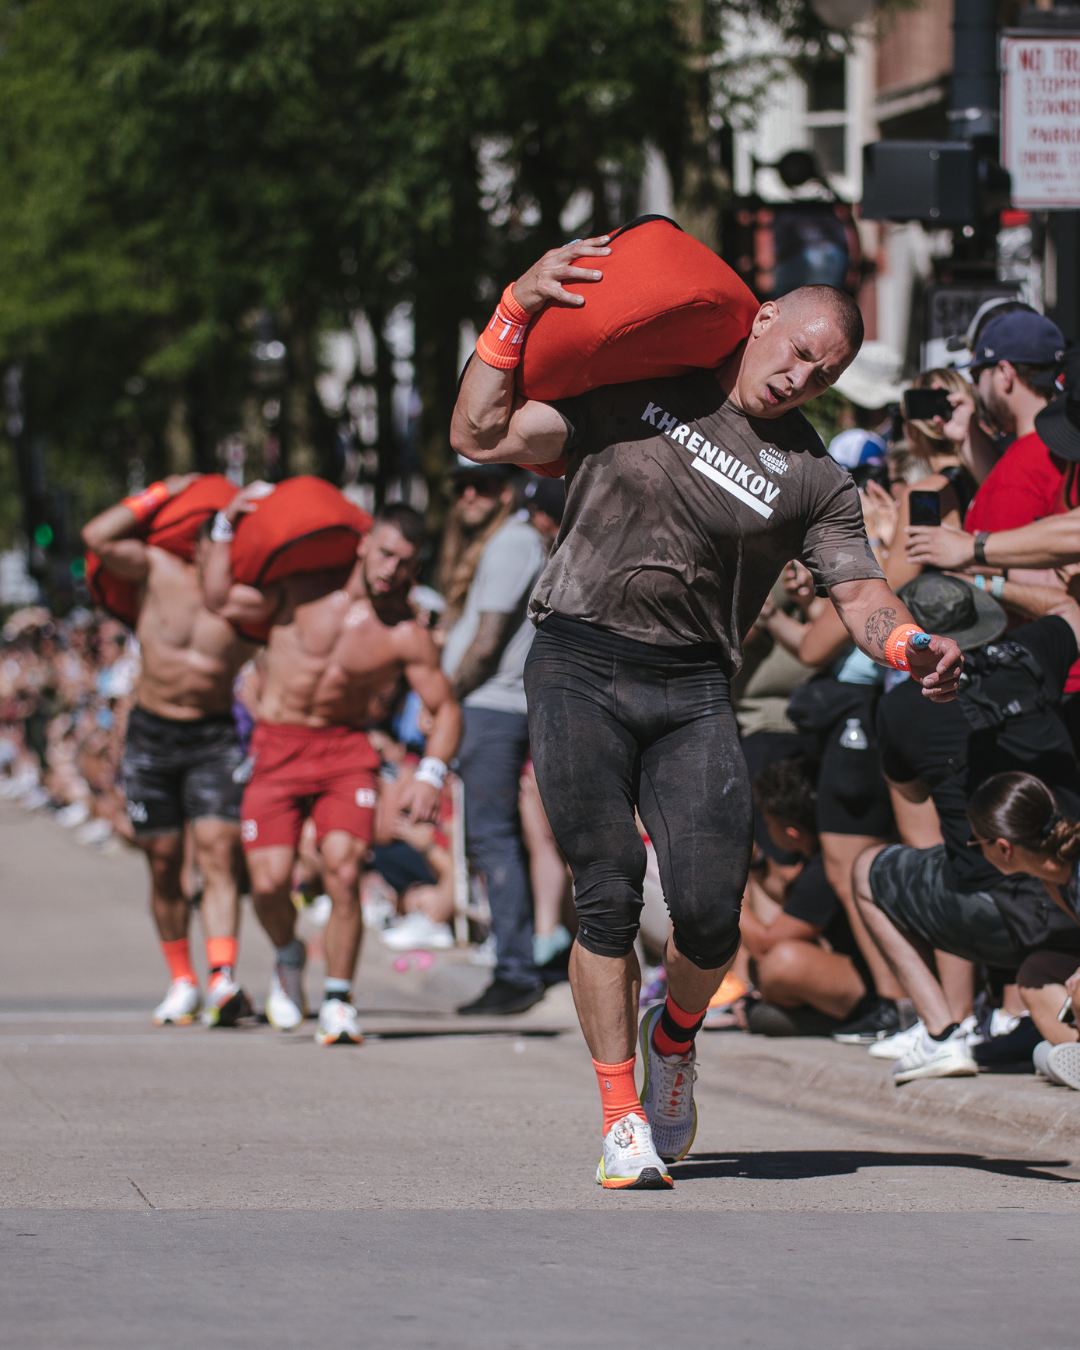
(792, 355)
(390, 561)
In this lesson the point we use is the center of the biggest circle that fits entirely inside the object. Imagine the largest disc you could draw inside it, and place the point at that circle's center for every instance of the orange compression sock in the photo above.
(676, 1028)
(178, 959)
(618, 1095)
(221, 951)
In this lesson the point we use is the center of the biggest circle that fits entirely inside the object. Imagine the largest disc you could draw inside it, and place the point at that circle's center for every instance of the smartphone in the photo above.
(924, 507)
(923, 405)
(1066, 1014)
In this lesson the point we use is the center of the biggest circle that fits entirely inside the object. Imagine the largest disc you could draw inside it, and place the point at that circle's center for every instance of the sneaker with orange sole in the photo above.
(629, 1161)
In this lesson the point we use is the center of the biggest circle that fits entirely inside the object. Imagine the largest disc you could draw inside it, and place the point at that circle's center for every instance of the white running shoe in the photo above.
(1038, 1059)
(286, 1006)
(338, 1024)
(898, 1044)
(667, 1094)
(1063, 1064)
(629, 1161)
(226, 1002)
(416, 932)
(179, 1007)
(928, 1058)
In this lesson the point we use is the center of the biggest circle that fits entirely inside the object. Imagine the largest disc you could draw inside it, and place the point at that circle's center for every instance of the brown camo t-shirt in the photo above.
(681, 512)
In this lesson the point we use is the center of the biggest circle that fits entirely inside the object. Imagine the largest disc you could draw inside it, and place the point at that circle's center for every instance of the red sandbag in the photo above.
(174, 527)
(667, 305)
(304, 525)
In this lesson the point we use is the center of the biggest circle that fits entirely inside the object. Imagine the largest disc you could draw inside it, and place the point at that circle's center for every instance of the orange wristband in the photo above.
(500, 344)
(896, 645)
(143, 505)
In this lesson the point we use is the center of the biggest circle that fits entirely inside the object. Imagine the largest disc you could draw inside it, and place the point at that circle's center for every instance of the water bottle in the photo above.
(853, 737)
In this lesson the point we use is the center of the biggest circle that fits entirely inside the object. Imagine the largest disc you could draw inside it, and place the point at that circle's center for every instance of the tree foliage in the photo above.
(179, 177)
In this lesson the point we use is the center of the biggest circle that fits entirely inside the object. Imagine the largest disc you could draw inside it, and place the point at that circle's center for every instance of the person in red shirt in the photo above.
(1016, 362)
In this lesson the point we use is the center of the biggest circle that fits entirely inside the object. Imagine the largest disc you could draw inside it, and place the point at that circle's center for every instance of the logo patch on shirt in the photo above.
(726, 470)
(774, 460)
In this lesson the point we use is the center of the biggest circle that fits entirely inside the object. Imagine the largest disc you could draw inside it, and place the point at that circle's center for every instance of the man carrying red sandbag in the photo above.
(686, 496)
(182, 757)
(339, 645)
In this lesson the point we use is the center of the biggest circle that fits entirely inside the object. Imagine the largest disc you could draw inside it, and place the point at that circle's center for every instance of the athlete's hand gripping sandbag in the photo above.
(174, 526)
(666, 305)
(304, 525)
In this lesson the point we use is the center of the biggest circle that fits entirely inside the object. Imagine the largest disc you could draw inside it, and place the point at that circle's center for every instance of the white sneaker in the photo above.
(179, 1007)
(285, 1007)
(629, 1161)
(898, 1044)
(226, 1003)
(1063, 1064)
(338, 1024)
(667, 1094)
(416, 932)
(75, 813)
(1038, 1059)
(928, 1058)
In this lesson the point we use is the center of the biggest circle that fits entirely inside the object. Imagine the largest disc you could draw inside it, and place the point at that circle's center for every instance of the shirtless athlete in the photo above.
(182, 755)
(338, 648)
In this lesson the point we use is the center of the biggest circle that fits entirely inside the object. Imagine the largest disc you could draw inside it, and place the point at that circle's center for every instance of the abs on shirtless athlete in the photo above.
(182, 755)
(339, 647)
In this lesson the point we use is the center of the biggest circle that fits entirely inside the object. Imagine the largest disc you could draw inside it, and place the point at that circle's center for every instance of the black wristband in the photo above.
(980, 547)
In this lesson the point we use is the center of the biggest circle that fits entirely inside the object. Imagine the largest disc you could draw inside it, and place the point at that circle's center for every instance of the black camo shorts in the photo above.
(176, 771)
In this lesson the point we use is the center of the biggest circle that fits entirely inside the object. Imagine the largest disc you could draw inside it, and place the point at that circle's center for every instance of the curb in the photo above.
(1015, 1111)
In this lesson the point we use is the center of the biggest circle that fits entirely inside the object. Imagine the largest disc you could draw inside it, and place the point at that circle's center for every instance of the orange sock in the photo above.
(221, 952)
(618, 1095)
(178, 959)
(676, 1028)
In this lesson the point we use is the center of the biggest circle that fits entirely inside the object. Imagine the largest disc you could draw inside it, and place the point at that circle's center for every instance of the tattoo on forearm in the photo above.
(878, 627)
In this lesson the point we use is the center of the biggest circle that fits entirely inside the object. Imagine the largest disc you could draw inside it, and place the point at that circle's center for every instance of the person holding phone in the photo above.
(939, 415)
(1022, 828)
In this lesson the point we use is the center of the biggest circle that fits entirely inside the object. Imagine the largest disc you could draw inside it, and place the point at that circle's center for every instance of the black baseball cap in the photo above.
(547, 495)
(1058, 424)
(466, 471)
(1023, 338)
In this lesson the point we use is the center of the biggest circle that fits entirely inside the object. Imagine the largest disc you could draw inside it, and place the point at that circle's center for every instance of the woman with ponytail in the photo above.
(1021, 828)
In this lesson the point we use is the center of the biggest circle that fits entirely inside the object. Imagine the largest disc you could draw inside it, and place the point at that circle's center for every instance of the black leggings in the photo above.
(615, 724)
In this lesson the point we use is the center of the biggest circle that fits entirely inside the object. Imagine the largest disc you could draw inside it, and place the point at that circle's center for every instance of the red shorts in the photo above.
(327, 773)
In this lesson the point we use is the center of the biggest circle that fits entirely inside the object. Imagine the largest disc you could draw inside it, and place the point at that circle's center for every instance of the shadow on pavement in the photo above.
(801, 1166)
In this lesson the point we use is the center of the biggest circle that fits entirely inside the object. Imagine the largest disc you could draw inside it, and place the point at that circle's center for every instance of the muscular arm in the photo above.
(760, 938)
(914, 791)
(424, 676)
(480, 660)
(244, 606)
(870, 612)
(1049, 542)
(111, 534)
(491, 424)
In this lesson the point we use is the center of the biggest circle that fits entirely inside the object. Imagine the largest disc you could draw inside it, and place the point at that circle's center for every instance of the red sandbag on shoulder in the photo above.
(116, 595)
(174, 527)
(667, 305)
(305, 525)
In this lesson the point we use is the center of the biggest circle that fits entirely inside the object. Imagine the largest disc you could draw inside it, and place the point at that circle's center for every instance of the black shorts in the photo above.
(910, 886)
(179, 771)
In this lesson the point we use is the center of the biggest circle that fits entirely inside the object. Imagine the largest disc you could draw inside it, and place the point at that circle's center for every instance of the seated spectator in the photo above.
(1021, 829)
(913, 900)
(804, 954)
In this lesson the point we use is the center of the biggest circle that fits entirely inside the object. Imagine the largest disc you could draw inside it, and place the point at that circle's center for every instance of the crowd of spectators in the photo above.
(884, 909)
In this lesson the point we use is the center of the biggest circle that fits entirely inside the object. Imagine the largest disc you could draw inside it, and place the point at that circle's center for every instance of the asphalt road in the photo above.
(434, 1187)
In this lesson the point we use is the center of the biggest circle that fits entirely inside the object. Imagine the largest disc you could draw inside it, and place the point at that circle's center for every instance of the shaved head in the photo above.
(838, 305)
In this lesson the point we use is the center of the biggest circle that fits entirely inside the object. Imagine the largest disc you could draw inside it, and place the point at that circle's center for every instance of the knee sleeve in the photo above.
(608, 897)
(710, 937)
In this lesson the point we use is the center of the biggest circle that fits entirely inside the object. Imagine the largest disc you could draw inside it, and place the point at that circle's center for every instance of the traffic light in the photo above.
(776, 248)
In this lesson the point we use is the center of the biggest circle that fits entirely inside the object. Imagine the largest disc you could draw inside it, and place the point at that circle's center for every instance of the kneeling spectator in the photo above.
(1021, 829)
(807, 963)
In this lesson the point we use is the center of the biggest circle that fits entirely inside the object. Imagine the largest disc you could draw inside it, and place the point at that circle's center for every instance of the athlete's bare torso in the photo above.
(189, 655)
(331, 660)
